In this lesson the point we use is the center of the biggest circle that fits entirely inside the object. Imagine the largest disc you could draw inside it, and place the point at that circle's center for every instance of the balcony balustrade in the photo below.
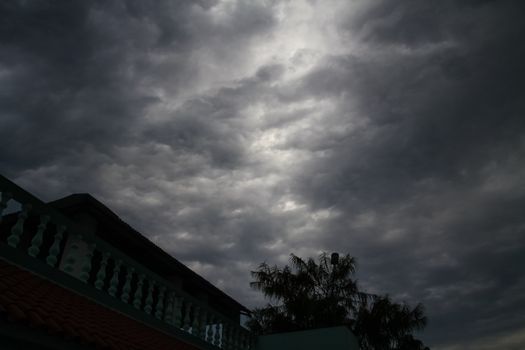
(38, 237)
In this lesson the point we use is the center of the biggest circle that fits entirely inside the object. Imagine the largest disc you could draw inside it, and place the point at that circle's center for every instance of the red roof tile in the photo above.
(29, 299)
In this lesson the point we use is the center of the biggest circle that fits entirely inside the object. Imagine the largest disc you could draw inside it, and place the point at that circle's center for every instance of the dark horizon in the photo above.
(235, 132)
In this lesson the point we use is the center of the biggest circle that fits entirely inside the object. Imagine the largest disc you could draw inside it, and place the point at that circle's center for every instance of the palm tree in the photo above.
(381, 323)
(310, 295)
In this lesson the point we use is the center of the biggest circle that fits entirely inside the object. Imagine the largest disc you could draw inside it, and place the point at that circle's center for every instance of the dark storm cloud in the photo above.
(396, 136)
(79, 75)
(442, 93)
(79, 82)
(62, 79)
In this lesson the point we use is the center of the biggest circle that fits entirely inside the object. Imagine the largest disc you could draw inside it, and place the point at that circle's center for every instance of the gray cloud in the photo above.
(428, 187)
(233, 133)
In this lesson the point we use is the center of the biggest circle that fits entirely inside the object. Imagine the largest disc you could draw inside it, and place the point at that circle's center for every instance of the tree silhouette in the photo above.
(309, 295)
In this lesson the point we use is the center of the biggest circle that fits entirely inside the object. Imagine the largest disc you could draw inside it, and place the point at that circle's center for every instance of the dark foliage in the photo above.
(310, 294)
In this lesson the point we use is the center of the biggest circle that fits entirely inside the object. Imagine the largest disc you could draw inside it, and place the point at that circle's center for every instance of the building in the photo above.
(73, 275)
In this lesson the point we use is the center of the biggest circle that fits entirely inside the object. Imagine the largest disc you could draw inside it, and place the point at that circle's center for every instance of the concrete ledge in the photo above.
(334, 338)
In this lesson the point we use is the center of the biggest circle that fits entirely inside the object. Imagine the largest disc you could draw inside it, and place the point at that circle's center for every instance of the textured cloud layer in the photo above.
(236, 132)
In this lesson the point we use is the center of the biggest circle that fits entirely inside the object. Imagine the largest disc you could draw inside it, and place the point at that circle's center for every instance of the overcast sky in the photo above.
(235, 132)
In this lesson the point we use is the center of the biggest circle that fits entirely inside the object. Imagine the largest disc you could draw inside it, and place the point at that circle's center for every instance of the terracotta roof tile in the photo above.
(15, 312)
(29, 299)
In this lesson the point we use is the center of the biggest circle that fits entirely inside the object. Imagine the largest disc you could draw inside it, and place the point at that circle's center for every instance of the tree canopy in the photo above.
(309, 294)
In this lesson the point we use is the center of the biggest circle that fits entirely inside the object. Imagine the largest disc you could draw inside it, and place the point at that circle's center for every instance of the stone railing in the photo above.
(49, 238)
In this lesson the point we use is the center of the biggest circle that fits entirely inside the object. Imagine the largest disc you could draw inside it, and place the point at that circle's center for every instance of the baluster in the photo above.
(237, 339)
(217, 338)
(86, 267)
(137, 301)
(242, 341)
(225, 336)
(36, 242)
(6, 197)
(248, 341)
(52, 258)
(101, 275)
(160, 303)
(245, 341)
(209, 331)
(186, 323)
(233, 338)
(149, 298)
(127, 285)
(202, 327)
(195, 324)
(245, 344)
(113, 283)
(18, 228)
(168, 313)
(72, 254)
(178, 312)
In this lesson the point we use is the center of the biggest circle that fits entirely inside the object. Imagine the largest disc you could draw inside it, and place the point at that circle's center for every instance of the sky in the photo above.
(234, 132)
